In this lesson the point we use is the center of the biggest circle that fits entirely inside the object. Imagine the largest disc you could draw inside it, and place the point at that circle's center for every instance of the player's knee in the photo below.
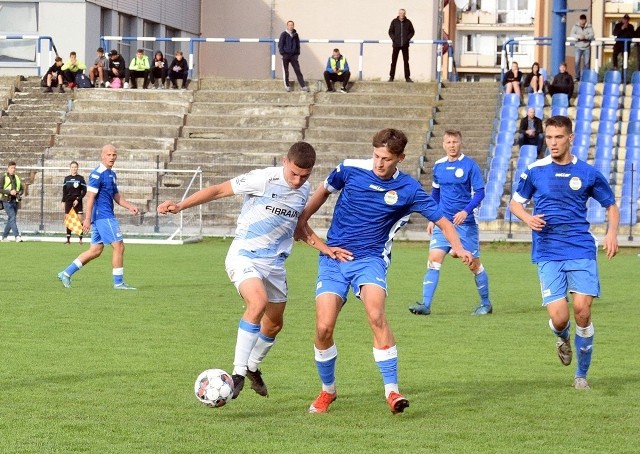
(324, 332)
(433, 265)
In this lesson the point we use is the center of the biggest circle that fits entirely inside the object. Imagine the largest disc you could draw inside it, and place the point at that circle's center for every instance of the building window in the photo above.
(172, 46)
(469, 43)
(150, 29)
(125, 28)
(18, 18)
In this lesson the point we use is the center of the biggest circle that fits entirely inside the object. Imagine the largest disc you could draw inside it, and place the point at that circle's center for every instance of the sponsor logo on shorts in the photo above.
(546, 292)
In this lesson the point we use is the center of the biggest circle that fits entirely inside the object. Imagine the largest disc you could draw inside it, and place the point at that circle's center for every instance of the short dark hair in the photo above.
(72, 53)
(302, 154)
(560, 121)
(336, 50)
(74, 162)
(11, 163)
(583, 16)
(58, 59)
(101, 50)
(394, 139)
(140, 51)
(452, 133)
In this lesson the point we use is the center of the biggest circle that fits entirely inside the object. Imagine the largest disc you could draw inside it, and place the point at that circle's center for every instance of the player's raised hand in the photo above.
(536, 222)
(168, 206)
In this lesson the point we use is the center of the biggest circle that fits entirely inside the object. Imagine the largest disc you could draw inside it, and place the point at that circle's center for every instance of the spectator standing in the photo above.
(458, 189)
(622, 29)
(583, 32)
(535, 79)
(139, 68)
(11, 193)
(117, 68)
(511, 80)
(289, 48)
(400, 31)
(178, 70)
(54, 77)
(531, 131)
(562, 82)
(159, 69)
(99, 69)
(337, 70)
(100, 219)
(563, 247)
(72, 68)
(74, 188)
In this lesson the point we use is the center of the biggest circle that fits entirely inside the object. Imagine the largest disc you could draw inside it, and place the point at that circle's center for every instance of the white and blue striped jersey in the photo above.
(269, 213)
(561, 192)
(370, 211)
(457, 181)
(104, 183)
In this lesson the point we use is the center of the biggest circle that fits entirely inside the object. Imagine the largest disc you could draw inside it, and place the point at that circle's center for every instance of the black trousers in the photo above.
(394, 60)
(334, 77)
(293, 59)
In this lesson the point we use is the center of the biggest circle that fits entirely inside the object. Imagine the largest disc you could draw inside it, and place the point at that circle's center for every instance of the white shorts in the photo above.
(273, 276)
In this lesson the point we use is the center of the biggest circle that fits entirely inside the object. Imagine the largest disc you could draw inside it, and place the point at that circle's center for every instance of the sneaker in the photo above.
(397, 402)
(61, 89)
(126, 85)
(419, 309)
(48, 90)
(101, 84)
(18, 239)
(287, 89)
(123, 286)
(408, 79)
(305, 88)
(107, 84)
(581, 383)
(563, 347)
(66, 280)
(257, 384)
(322, 402)
(238, 384)
(483, 310)
(343, 90)
(5, 239)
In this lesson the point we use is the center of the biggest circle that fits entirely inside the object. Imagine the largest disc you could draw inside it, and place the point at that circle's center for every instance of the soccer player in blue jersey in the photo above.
(102, 191)
(273, 199)
(375, 201)
(458, 188)
(563, 248)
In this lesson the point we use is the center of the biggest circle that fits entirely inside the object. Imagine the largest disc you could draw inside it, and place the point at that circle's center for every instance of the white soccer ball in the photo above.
(214, 387)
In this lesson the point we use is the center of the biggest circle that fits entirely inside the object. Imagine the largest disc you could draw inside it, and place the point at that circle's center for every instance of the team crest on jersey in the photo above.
(458, 173)
(76, 184)
(575, 183)
(391, 198)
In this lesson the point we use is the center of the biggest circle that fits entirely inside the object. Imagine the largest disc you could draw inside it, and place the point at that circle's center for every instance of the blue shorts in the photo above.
(105, 231)
(559, 277)
(336, 277)
(468, 234)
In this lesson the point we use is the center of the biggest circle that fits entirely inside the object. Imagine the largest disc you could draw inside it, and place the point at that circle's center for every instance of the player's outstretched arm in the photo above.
(314, 203)
(205, 195)
(535, 222)
(450, 233)
(611, 238)
(313, 240)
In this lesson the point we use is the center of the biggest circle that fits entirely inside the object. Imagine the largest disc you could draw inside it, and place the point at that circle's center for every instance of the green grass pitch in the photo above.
(95, 370)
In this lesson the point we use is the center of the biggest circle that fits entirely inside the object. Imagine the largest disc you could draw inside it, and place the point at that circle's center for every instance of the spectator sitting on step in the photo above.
(99, 69)
(117, 68)
(534, 80)
(71, 68)
(337, 70)
(139, 68)
(54, 77)
(511, 79)
(531, 132)
(562, 82)
(159, 70)
(178, 69)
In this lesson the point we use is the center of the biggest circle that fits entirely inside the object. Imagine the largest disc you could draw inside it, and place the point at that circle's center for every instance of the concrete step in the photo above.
(119, 130)
(118, 107)
(289, 110)
(257, 97)
(316, 121)
(285, 134)
(370, 112)
(375, 99)
(34, 114)
(106, 94)
(238, 121)
(363, 136)
(18, 124)
(96, 142)
(26, 139)
(157, 119)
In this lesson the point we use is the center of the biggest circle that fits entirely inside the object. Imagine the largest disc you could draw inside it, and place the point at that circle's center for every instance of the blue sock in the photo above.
(584, 349)
(564, 333)
(73, 267)
(387, 361)
(430, 283)
(482, 284)
(118, 276)
(326, 364)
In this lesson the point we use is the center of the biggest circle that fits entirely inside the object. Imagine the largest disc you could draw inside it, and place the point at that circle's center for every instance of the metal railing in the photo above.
(38, 38)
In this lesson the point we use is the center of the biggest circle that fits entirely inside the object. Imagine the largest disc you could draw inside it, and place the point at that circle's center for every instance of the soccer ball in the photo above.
(214, 387)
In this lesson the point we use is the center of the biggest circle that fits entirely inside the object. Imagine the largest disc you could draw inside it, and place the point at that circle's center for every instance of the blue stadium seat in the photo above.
(604, 140)
(535, 100)
(505, 137)
(632, 165)
(604, 152)
(557, 110)
(507, 125)
(509, 112)
(586, 89)
(611, 90)
(589, 76)
(635, 101)
(610, 102)
(528, 151)
(634, 115)
(633, 127)
(511, 99)
(607, 127)
(500, 162)
(613, 77)
(581, 153)
(635, 90)
(543, 71)
(584, 114)
(608, 114)
(628, 211)
(596, 215)
(502, 149)
(633, 141)
(584, 100)
(603, 166)
(632, 154)
(582, 140)
(582, 127)
(487, 212)
(539, 112)
(560, 100)
(635, 78)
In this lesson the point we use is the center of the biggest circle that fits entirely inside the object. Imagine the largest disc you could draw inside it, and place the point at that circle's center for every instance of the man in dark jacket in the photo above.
(531, 132)
(622, 29)
(289, 48)
(400, 31)
(117, 67)
(562, 82)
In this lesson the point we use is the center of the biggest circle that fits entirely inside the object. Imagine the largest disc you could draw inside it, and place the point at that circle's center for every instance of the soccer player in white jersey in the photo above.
(102, 191)
(273, 200)
(375, 201)
(563, 248)
(458, 188)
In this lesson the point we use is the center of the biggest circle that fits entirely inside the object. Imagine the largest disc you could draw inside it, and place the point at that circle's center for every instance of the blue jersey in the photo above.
(560, 192)
(457, 182)
(370, 211)
(103, 183)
